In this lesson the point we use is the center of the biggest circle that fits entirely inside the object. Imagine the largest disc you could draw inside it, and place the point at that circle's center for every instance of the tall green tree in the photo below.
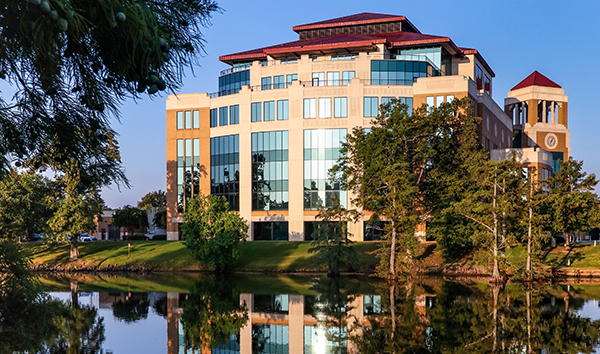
(25, 205)
(75, 210)
(485, 203)
(130, 218)
(156, 199)
(160, 219)
(331, 241)
(397, 169)
(213, 233)
(574, 202)
(72, 63)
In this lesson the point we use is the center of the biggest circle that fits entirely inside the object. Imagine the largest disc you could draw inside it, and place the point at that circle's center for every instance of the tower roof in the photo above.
(357, 19)
(536, 79)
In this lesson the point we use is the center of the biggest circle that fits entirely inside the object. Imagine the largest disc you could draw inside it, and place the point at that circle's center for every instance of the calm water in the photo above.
(270, 314)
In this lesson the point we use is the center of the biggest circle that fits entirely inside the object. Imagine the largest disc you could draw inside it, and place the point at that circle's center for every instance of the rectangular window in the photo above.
(223, 118)
(214, 118)
(439, 100)
(310, 108)
(333, 78)
(256, 112)
(234, 114)
(449, 98)
(269, 111)
(282, 110)
(385, 100)
(196, 118)
(272, 231)
(478, 77)
(278, 82)
(325, 107)
(266, 83)
(188, 120)
(347, 76)
(430, 102)
(225, 168)
(179, 120)
(371, 106)
(487, 84)
(407, 101)
(180, 174)
(270, 170)
(289, 78)
(318, 79)
(341, 107)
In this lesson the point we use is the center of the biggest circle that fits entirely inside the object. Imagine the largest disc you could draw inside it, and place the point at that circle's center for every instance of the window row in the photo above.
(188, 120)
(339, 107)
(277, 82)
(333, 78)
(436, 101)
(265, 111)
(371, 104)
(225, 116)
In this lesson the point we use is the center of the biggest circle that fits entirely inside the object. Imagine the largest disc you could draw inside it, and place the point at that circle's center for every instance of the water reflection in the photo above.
(320, 315)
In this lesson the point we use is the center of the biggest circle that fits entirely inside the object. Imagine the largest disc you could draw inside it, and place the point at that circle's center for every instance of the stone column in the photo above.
(246, 331)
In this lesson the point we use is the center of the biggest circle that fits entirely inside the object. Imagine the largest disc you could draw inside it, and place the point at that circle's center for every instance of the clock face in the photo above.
(551, 141)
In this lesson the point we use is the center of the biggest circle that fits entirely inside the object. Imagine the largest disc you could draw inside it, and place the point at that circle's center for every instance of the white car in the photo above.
(87, 238)
(149, 235)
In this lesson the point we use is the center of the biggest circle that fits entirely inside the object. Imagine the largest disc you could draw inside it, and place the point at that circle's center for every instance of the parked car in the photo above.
(87, 238)
(149, 235)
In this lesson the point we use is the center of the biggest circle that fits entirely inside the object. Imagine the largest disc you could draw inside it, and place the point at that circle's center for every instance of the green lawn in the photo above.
(173, 256)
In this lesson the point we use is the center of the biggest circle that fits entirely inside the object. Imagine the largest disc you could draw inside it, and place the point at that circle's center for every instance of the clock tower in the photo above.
(539, 109)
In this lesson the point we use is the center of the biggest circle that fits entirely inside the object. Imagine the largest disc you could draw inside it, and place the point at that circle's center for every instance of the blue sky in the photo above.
(557, 38)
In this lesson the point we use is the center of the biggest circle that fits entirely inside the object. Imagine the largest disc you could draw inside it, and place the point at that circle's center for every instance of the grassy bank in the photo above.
(280, 256)
(259, 256)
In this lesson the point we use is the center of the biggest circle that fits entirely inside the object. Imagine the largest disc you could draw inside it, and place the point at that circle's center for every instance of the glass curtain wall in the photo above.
(225, 168)
(396, 72)
(270, 170)
(232, 83)
(321, 151)
(270, 339)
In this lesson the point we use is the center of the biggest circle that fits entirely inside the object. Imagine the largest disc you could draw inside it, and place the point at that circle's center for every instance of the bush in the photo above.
(134, 238)
(160, 237)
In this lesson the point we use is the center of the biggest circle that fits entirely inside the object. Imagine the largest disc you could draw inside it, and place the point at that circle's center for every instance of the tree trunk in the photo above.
(74, 254)
(74, 284)
(528, 268)
(393, 253)
(528, 297)
(393, 307)
(495, 292)
(567, 239)
(503, 244)
(495, 271)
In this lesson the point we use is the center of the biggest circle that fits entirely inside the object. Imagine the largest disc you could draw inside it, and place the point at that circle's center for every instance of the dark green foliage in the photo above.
(131, 219)
(212, 313)
(213, 233)
(574, 202)
(73, 62)
(160, 219)
(331, 241)
(131, 310)
(26, 202)
(156, 199)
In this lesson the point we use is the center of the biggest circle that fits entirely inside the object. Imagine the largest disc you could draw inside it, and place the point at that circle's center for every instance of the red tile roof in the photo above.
(344, 40)
(536, 79)
(357, 19)
(471, 51)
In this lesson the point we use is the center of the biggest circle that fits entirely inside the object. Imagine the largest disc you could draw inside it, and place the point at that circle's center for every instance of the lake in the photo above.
(179, 313)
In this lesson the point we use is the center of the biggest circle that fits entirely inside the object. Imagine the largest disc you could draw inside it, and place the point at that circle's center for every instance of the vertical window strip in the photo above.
(282, 110)
(324, 107)
(188, 120)
(371, 106)
(269, 111)
(256, 112)
(214, 119)
(196, 118)
(179, 120)
(223, 119)
(234, 114)
(341, 107)
(310, 109)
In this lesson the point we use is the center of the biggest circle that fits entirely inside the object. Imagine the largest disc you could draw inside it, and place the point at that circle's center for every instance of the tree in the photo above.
(330, 238)
(156, 199)
(574, 203)
(73, 62)
(25, 205)
(160, 219)
(487, 200)
(396, 169)
(213, 233)
(75, 210)
(131, 219)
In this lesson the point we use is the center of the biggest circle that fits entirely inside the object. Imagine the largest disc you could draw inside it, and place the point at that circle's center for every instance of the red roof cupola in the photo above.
(536, 79)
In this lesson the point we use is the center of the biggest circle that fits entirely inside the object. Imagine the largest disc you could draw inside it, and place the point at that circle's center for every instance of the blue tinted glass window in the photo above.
(340, 106)
(196, 118)
(232, 83)
(269, 111)
(371, 106)
(179, 120)
(289, 78)
(282, 110)
(270, 170)
(278, 82)
(214, 118)
(256, 112)
(223, 118)
(225, 169)
(234, 114)
(266, 83)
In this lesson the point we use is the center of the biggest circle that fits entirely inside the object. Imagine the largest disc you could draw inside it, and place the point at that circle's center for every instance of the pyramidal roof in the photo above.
(536, 79)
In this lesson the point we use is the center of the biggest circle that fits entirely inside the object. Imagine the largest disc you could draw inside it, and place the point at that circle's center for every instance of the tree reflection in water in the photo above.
(212, 313)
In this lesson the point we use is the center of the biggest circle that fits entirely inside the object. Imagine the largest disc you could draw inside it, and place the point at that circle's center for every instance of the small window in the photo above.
(234, 114)
(179, 120)
(449, 98)
(278, 82)
(214, 118)
(371, 106)
(269, 111)
(256, 112)
(223, 118)
(347, 76)
(289, 78)
(325, 107)
(439, 100)
(196, 118)
(318, 79)
(188, 119)
(340, 107)
(310, 108)
(282, 110)
(430, 102)
(266, 83)
(333, 78)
